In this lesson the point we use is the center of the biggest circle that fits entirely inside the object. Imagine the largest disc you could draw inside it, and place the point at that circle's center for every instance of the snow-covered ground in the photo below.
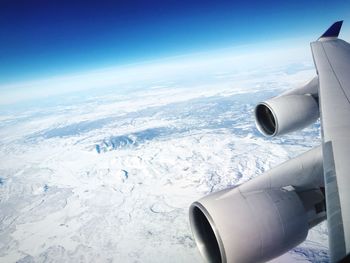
(108, 175)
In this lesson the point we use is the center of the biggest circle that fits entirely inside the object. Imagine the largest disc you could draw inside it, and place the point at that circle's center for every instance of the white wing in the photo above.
(332, 61)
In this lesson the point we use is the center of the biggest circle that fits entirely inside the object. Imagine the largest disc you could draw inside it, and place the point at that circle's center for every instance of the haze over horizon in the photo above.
(42, 39)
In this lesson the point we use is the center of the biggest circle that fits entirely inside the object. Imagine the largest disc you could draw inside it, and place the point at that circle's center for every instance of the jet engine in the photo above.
(292, 110)
(264, 217)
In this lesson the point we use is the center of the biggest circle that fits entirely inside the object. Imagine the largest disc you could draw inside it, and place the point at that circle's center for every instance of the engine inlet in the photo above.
(204, 233)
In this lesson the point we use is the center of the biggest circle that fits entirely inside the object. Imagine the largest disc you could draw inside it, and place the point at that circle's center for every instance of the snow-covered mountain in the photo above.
(108, 175)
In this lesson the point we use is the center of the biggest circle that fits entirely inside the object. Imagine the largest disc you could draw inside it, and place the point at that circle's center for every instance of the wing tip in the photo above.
(333, 30)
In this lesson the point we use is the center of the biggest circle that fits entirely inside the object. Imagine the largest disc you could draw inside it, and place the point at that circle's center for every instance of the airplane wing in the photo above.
(332, 60)
(273, 212)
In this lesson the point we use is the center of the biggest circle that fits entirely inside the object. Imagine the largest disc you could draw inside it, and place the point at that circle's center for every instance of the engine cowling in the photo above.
(288, 112)
(262, 225)
(264, 217)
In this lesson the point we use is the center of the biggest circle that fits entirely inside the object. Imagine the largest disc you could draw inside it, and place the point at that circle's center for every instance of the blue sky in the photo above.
(40, 39)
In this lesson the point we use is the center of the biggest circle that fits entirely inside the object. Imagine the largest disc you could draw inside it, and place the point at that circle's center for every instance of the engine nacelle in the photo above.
(293, 110)
(264, 217)
(252, 227)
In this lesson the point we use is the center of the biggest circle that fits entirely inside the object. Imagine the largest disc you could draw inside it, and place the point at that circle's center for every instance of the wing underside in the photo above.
(332, 60)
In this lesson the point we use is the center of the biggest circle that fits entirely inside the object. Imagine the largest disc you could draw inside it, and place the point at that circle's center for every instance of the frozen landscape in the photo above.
(106, 170)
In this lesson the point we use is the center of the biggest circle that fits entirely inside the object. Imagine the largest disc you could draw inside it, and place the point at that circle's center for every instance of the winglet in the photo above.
(333, 30)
